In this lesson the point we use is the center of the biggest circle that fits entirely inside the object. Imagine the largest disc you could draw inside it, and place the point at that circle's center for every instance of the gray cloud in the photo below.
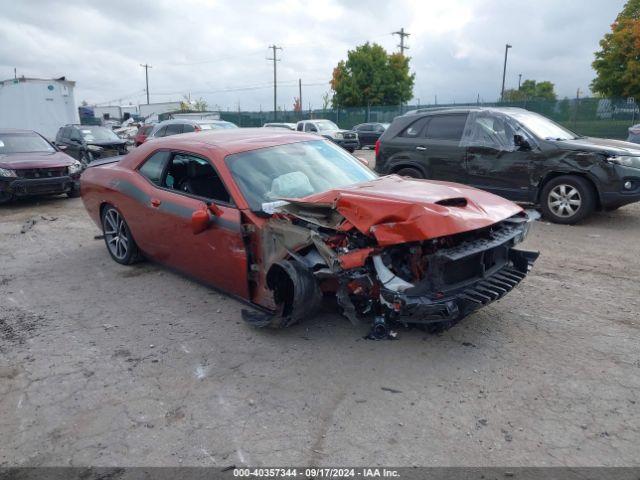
(217, 49)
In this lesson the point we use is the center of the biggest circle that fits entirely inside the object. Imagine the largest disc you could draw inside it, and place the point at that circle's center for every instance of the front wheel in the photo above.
(567, 199)
(117, 236)
(5, 197)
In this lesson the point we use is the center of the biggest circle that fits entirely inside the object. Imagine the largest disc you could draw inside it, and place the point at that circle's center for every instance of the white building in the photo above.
(37, 104)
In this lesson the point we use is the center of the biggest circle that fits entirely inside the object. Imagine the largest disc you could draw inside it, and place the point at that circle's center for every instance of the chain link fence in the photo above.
(597, 117)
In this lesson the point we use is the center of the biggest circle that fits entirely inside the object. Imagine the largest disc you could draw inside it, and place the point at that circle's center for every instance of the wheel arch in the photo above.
(399, 164)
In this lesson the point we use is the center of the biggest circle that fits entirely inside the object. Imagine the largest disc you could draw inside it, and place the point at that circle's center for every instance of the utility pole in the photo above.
(504, 70)
(519, 80)
(401, 33)
(300, 96)
(146, 75)
(275, 78)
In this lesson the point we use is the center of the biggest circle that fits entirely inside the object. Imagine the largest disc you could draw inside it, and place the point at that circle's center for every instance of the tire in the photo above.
(350, 150)
(5, 198)
(74, 192)
(567, 199)
(410, 172)
(117, 237)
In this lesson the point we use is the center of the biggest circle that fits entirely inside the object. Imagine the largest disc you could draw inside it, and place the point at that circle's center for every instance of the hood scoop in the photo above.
(460, 202)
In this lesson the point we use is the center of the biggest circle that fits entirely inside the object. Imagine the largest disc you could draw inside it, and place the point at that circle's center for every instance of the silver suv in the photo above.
(347, 139)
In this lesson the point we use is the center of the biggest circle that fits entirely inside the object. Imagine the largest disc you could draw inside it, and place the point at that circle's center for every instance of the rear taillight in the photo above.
(377, 148)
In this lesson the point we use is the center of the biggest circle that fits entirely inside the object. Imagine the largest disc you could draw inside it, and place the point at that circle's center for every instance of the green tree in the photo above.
(617, 63)
(371, 76)
(531, 90)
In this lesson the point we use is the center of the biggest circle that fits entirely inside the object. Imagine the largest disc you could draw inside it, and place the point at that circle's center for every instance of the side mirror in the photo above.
(214, 209)
(200, 220)
(520, 142)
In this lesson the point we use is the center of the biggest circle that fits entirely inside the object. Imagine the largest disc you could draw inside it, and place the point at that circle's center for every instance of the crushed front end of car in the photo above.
(390, 261)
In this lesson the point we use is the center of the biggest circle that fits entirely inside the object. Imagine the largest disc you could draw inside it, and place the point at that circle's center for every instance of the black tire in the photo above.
(74, 192)
(410, 172)
(5, 197)
(576, 203)
(117, 237)
(350, 149)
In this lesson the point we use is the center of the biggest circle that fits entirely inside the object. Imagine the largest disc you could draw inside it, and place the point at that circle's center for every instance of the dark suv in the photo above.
(516, 154)
(90, 142)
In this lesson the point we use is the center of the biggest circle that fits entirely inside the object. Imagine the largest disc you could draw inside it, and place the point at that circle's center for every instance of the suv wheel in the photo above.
(567, 199)
(410, 172)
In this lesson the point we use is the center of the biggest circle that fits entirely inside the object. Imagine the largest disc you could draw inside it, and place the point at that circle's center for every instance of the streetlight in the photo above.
(504, 70)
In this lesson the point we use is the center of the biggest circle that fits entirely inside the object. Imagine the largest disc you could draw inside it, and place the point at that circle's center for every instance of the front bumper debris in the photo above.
(38, 186)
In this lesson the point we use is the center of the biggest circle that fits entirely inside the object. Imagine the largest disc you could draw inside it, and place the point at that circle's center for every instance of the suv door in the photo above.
(73, 140)
(493, 161)
(444, 157)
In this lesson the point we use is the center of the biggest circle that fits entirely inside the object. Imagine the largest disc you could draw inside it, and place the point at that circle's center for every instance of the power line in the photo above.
(275, 78)
(146, 75)
(402, 34)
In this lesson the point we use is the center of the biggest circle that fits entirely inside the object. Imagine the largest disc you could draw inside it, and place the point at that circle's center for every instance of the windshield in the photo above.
(98, 134)
(23, 143)
(325, 125)
(542, 127)
(294, 170)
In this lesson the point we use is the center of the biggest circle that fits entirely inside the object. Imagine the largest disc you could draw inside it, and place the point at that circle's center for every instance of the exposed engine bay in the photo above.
(310, 250)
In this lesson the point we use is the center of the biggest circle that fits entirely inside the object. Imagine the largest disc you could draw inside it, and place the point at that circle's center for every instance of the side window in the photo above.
(300, 126)
(413, 130)
(162, 132)
(187, 127)
(195, 175)
(446, 127)
(153, 167)
(74, 134)
(173, 129)
(310, 127)
(490, 131)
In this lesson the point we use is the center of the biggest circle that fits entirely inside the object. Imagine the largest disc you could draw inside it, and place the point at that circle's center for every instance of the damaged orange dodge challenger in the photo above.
(278, 219)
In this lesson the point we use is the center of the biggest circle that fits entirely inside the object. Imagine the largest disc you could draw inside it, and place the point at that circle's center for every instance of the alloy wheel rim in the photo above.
(115, 233)
(564, 200)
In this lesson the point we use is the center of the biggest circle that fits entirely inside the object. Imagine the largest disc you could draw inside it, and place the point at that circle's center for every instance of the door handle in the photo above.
(155, 202)
(421, 148)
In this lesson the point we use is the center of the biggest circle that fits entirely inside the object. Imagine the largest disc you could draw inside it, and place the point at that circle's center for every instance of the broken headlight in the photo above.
(625, 161)
(5, 172)
(75, 168)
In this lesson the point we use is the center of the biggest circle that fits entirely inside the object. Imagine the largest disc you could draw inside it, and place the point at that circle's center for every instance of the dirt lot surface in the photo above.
(105, 365)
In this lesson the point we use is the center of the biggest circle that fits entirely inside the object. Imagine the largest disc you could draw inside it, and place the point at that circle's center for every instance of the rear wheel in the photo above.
(410, 172)
(5, 197)
(74, 192)
(567, 199)
(117, 237)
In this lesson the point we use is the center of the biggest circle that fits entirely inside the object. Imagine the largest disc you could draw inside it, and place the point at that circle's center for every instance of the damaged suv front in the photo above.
(393, 250)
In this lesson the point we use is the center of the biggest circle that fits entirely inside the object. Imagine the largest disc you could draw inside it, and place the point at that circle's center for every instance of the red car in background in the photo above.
(31, 165)
(278, 219)
(142, 134)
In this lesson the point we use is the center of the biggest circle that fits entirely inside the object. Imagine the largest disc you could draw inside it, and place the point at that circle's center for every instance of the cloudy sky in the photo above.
(217, 49)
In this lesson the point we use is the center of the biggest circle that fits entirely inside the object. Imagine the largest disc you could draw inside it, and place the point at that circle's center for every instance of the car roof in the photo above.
(463, 109)
(235, 140)
(16, 130)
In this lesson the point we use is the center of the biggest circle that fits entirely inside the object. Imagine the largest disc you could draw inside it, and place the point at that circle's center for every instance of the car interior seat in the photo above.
(203, 181)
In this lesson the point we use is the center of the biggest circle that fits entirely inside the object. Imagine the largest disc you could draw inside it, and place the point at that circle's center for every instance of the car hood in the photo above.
(22, 161)
(601, 145)
(395, 209)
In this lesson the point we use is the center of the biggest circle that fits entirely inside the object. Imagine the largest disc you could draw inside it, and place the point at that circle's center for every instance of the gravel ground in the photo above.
(107, 365)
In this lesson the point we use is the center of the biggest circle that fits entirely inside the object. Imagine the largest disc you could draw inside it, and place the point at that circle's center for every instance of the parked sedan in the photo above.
(517, 154)
(369, 133)
(392, 249)
(180, 125)
(141, 136)
(89, 142)
(30, 165)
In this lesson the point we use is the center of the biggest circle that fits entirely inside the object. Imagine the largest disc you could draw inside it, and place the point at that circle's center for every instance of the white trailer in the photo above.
(114, 112)
(37, 104)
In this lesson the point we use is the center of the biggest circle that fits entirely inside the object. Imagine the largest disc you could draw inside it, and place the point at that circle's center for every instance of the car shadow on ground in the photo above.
(24, 203)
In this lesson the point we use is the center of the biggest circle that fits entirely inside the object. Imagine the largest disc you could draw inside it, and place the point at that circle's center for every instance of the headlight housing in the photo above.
(5, 172)
(625, 161)
(338, 135)
(75, 168)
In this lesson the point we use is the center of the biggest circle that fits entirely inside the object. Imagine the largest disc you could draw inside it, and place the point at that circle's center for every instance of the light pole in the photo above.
(504, 70)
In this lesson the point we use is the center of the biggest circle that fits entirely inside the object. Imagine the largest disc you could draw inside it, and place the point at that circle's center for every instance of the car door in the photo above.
(216, 256)
(365, 134)
(406, 149)
(444, 156)
(73, 141)
(493, 162)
